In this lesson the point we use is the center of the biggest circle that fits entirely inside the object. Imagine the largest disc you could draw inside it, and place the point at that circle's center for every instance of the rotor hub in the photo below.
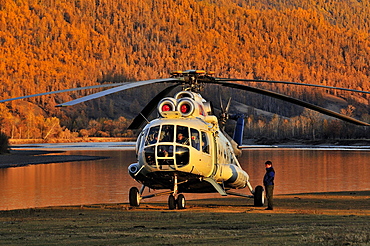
(193, 79)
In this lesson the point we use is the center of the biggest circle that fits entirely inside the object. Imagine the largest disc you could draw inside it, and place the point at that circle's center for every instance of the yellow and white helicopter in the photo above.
(185, 149)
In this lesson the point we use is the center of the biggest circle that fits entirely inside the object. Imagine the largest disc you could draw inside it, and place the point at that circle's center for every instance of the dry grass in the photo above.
(298, 220)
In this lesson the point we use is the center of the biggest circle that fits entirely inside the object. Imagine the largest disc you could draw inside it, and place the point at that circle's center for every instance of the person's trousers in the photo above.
(269, 196)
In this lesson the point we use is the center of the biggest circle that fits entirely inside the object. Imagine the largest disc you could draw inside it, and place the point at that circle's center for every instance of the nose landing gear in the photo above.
(180, 201)
(175, 200)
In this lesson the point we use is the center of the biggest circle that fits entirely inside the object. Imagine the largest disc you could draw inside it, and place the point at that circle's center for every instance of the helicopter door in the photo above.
(206, 154)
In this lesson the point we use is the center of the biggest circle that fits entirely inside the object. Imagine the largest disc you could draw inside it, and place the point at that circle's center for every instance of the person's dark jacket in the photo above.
(268, 179)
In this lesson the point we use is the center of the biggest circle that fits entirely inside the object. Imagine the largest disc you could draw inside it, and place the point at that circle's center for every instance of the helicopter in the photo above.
(186, 149)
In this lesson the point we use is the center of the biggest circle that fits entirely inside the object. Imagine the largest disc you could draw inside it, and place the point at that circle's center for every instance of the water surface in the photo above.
(107, 180)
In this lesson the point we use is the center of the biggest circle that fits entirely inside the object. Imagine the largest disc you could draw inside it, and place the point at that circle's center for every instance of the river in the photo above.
(107, 181)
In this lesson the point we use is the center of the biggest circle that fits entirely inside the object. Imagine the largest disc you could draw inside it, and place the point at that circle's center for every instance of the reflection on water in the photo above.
(299, 171)
(107, 181)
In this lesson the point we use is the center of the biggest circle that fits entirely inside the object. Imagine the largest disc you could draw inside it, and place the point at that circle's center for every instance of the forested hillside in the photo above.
(50, 45)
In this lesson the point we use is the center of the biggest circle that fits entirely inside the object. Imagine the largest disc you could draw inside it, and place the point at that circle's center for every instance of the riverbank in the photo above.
(341, 218)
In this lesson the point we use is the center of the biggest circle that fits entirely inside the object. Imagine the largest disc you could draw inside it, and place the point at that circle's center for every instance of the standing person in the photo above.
(268, 182)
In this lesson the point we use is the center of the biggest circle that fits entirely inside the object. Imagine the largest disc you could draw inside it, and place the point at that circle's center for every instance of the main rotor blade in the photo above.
(149, 108)
(116, 89)
(292, 83)
(61, 91)
(292, 100)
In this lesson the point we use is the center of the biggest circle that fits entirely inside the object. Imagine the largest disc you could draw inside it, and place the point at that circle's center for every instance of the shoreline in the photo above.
(20, 158)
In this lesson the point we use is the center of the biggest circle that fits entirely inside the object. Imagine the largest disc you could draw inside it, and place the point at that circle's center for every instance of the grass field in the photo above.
(304, 219)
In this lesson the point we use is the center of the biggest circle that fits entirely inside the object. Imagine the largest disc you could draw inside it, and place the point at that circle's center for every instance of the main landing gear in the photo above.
(175, 200)
(259, 196)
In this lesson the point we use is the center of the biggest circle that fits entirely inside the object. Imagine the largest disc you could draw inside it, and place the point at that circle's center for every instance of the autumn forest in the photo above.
(48, 45)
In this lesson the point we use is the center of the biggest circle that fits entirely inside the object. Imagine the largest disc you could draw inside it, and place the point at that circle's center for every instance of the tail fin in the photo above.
(239, 128)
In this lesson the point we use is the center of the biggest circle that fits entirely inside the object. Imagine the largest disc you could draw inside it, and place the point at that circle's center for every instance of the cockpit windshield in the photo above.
(152, 135)
(167, 133)
(182, 135)
(168, 146)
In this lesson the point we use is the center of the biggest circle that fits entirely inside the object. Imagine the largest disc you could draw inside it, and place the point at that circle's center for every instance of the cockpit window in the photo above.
(165, 151)
(195, 139)
(182, 135)
(205, 143)
(167, 133)
(182, 156)
(149, 153)
(152, 135)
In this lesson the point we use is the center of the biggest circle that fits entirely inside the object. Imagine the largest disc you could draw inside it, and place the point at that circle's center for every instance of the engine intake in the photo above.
(186, 107)
(166, 104)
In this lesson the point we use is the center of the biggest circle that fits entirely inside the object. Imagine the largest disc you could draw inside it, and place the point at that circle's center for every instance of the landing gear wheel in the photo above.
(171, 202)
(134, 197)
(259, 197)
(180, 201)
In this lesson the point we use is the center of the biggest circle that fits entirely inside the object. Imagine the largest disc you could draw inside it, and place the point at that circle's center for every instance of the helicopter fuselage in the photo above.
(190, 147)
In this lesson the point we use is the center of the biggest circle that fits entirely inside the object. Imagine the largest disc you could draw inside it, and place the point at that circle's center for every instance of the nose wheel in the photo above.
(181, 201)
(178, 203)
(171, 202)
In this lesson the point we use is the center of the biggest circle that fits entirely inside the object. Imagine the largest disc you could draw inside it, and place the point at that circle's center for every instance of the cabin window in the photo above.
(182, 135)
(167, 133)
(152, 135)
(205, 143)
(195, 139)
